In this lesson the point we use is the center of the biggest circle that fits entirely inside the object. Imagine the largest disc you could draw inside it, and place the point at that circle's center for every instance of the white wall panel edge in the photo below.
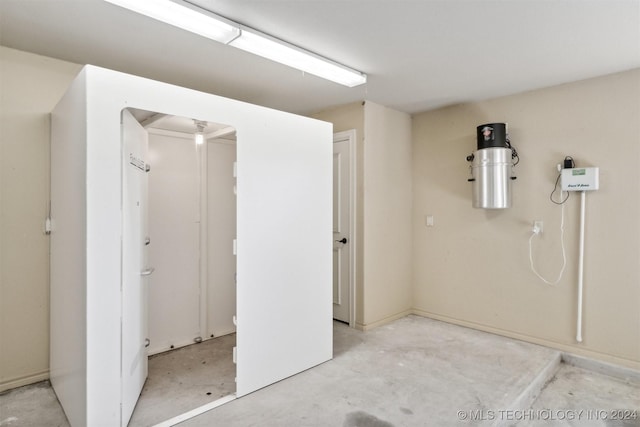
(104, 246)
(68, 342)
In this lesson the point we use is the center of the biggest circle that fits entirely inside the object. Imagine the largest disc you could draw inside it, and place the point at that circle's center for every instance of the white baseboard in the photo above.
(367, 326)
(26, 380)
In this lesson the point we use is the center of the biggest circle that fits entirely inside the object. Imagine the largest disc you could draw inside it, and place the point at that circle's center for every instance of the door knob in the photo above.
(343, 240)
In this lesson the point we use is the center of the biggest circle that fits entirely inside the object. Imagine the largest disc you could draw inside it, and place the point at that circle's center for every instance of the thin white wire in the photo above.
(564, 257)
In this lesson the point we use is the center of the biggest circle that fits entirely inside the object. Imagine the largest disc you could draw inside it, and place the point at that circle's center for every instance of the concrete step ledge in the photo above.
(615, 371)
(530, 393)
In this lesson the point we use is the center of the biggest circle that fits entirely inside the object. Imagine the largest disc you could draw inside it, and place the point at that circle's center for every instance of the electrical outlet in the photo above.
(537, 227)
(428, 220)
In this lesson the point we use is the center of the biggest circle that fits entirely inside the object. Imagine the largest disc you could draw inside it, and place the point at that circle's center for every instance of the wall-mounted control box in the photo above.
(579, 179)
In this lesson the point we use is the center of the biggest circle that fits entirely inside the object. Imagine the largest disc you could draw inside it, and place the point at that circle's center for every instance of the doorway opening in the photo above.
(185, 169)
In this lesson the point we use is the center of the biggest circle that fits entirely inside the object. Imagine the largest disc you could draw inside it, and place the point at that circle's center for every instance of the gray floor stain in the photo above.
(363, 419)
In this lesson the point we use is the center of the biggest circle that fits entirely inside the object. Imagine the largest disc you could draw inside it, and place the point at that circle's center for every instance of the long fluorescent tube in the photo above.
(276, 50)
(200, 21)
(186, 16)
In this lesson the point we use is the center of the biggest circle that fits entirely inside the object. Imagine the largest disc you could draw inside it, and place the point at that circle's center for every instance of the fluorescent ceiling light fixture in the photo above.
(276, 50)
(186, 16)
(200, 21)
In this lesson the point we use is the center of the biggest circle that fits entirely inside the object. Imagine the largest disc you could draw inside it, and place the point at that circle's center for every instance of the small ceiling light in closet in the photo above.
(198, 136)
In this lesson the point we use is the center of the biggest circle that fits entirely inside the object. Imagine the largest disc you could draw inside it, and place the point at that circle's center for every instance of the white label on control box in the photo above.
(580, 179)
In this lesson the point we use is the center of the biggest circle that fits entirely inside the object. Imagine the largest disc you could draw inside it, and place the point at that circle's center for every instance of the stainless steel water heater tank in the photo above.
(492, 167)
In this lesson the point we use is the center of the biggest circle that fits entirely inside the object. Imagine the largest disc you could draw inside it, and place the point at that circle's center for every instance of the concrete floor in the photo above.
(412, 372)
(590, 398)
(184, 379)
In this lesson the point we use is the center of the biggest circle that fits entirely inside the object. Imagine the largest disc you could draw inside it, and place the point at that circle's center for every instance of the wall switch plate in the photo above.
(428, 220)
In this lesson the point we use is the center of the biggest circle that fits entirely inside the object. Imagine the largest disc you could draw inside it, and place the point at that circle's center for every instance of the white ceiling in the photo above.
(154, 121)
(418, 54)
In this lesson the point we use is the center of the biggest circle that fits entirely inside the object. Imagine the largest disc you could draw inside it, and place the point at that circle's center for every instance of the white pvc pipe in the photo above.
(580, 266)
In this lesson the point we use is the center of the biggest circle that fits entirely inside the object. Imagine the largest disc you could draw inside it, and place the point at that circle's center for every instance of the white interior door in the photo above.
(341, 229)
(135, 270)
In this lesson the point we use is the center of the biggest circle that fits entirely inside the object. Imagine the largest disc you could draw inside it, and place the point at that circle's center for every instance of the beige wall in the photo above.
(387, 214)
(30, 86)
(383, 205)
(472, 267)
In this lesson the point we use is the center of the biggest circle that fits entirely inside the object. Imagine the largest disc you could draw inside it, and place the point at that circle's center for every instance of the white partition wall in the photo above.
(221, 226)
(284, 198)
(192, 226)
(174, 232)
